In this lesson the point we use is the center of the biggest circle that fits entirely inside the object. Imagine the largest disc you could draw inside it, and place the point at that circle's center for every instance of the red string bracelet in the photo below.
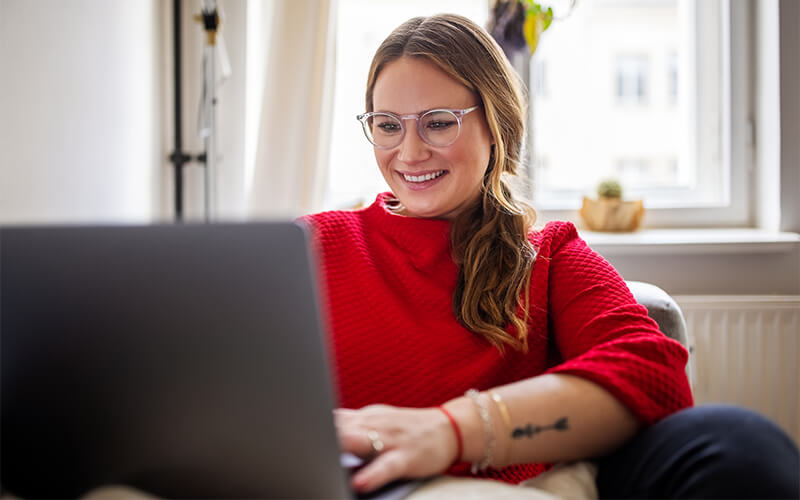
(459, 439)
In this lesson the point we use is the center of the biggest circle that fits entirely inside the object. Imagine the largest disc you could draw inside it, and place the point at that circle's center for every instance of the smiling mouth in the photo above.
(423, 178)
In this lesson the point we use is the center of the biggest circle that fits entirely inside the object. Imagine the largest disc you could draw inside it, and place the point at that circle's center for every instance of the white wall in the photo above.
(758, 272)
(80, 111)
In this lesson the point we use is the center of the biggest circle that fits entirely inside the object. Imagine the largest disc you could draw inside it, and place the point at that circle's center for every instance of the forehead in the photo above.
(410, 85)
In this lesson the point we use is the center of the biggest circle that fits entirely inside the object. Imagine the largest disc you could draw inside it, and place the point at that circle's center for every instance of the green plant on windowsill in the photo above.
(609, 212)
(609, 188)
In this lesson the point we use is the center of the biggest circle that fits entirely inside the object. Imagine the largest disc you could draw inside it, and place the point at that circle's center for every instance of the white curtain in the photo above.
(288, 105)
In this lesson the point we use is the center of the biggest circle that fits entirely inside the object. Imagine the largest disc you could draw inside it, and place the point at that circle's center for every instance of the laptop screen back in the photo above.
(185, 360)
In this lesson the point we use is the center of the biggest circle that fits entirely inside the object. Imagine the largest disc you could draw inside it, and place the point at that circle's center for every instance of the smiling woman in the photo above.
(462, 178)
(463, 336)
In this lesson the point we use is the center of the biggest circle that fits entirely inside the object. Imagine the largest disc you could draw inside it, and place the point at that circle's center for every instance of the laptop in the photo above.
(184, 360)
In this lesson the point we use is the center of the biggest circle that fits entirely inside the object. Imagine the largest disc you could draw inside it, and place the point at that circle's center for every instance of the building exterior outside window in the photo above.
(631, 77)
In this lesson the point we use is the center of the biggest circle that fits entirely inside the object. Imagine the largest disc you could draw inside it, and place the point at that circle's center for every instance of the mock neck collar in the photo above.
(424, 240)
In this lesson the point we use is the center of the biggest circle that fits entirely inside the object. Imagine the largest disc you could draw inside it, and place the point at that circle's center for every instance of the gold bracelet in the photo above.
(501, 405)
(503, 409)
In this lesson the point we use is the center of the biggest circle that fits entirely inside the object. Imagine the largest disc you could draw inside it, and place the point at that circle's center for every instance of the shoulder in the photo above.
(554, 237)
(333, 219)
(569, 261)
(336, 228)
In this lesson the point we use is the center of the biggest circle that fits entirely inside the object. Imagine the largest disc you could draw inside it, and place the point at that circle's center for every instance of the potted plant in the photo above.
(609, 212)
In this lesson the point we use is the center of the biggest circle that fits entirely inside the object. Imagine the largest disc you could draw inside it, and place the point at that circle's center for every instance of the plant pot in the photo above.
(612, 214)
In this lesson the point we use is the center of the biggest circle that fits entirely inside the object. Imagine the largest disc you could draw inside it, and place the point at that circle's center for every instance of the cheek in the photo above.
(382, 158)
(474, 159)
(475, 152)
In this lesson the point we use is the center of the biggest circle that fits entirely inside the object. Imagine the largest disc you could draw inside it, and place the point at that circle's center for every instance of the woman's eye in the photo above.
(440, 124)
(388, 127)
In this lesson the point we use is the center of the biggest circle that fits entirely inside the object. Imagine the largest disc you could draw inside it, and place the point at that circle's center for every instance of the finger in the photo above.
(357, 441)
(384, 469)
(342, 416)
(377, 408)
(345, 422)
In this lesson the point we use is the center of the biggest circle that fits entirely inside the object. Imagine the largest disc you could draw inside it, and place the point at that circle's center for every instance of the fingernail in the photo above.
(359, 483)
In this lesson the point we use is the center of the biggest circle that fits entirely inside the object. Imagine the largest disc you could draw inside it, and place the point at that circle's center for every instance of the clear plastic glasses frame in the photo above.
(386, 130)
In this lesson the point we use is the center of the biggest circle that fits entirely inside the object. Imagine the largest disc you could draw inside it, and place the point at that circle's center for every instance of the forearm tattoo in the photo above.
(531, 430)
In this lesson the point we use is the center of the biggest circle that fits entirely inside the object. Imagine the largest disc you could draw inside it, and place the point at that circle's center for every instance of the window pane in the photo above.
(353, 177)
(630, 89)
(632, 75)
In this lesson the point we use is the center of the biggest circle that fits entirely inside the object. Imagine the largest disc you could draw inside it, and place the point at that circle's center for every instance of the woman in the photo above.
(464, 341)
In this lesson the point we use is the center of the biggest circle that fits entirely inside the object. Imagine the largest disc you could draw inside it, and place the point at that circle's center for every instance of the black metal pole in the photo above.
(178, 157)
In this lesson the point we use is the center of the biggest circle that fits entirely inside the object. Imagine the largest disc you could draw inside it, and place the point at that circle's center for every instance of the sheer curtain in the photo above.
(289, 103)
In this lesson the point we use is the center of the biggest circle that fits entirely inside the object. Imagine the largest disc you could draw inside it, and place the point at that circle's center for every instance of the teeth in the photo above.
(422, 178)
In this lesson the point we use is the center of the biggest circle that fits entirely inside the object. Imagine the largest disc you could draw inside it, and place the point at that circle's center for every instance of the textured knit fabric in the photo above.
(388, 282)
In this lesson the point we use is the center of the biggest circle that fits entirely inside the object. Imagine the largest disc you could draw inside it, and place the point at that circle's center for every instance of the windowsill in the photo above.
(692, 241)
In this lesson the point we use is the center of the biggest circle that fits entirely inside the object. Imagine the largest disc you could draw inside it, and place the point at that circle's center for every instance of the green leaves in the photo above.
(537, 20)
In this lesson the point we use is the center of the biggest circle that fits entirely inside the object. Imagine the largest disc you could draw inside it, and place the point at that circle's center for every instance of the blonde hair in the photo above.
(490, 239)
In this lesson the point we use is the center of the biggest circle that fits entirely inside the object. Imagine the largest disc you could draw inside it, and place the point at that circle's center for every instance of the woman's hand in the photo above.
(396, 442)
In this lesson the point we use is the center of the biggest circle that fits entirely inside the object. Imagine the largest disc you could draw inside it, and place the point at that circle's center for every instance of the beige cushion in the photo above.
(574, 481)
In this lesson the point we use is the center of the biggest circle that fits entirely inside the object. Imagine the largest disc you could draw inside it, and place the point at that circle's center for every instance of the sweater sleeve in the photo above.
(604, 336)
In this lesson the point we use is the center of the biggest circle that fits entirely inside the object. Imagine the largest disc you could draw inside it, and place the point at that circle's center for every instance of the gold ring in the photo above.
(375, 441)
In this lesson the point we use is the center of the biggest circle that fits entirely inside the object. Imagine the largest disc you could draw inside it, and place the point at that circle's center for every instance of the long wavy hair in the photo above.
(490, 239)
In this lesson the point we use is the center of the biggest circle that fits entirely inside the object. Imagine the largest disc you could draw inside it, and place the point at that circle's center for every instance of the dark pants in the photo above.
(704, 452)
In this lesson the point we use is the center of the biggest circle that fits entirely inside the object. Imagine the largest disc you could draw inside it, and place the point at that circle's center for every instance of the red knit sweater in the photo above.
(388, 283)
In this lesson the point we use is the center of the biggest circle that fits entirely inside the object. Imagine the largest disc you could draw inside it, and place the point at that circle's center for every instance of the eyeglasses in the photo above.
(437, 127)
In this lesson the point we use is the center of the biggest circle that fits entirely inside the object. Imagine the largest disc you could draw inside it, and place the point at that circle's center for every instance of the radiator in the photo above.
(746, 351)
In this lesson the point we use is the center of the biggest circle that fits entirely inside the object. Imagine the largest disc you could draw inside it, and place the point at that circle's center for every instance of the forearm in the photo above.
(551, 418)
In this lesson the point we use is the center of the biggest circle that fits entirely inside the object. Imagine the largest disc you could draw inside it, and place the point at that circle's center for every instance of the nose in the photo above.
(412, 149)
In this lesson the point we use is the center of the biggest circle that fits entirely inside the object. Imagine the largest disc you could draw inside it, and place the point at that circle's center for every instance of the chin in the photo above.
(427, 211)
(432, 214)
(420, 209)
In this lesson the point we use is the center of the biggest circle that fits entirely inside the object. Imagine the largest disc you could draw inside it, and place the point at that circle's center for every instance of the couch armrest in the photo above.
(662, 308)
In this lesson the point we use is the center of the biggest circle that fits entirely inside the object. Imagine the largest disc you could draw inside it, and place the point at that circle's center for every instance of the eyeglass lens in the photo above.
(438, 128)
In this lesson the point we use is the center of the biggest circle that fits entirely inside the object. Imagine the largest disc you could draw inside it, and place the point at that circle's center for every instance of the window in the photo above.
(613, 84)
(642, 90)
(631, 76)
(353, 178)
(672, 77)
(634, 171)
